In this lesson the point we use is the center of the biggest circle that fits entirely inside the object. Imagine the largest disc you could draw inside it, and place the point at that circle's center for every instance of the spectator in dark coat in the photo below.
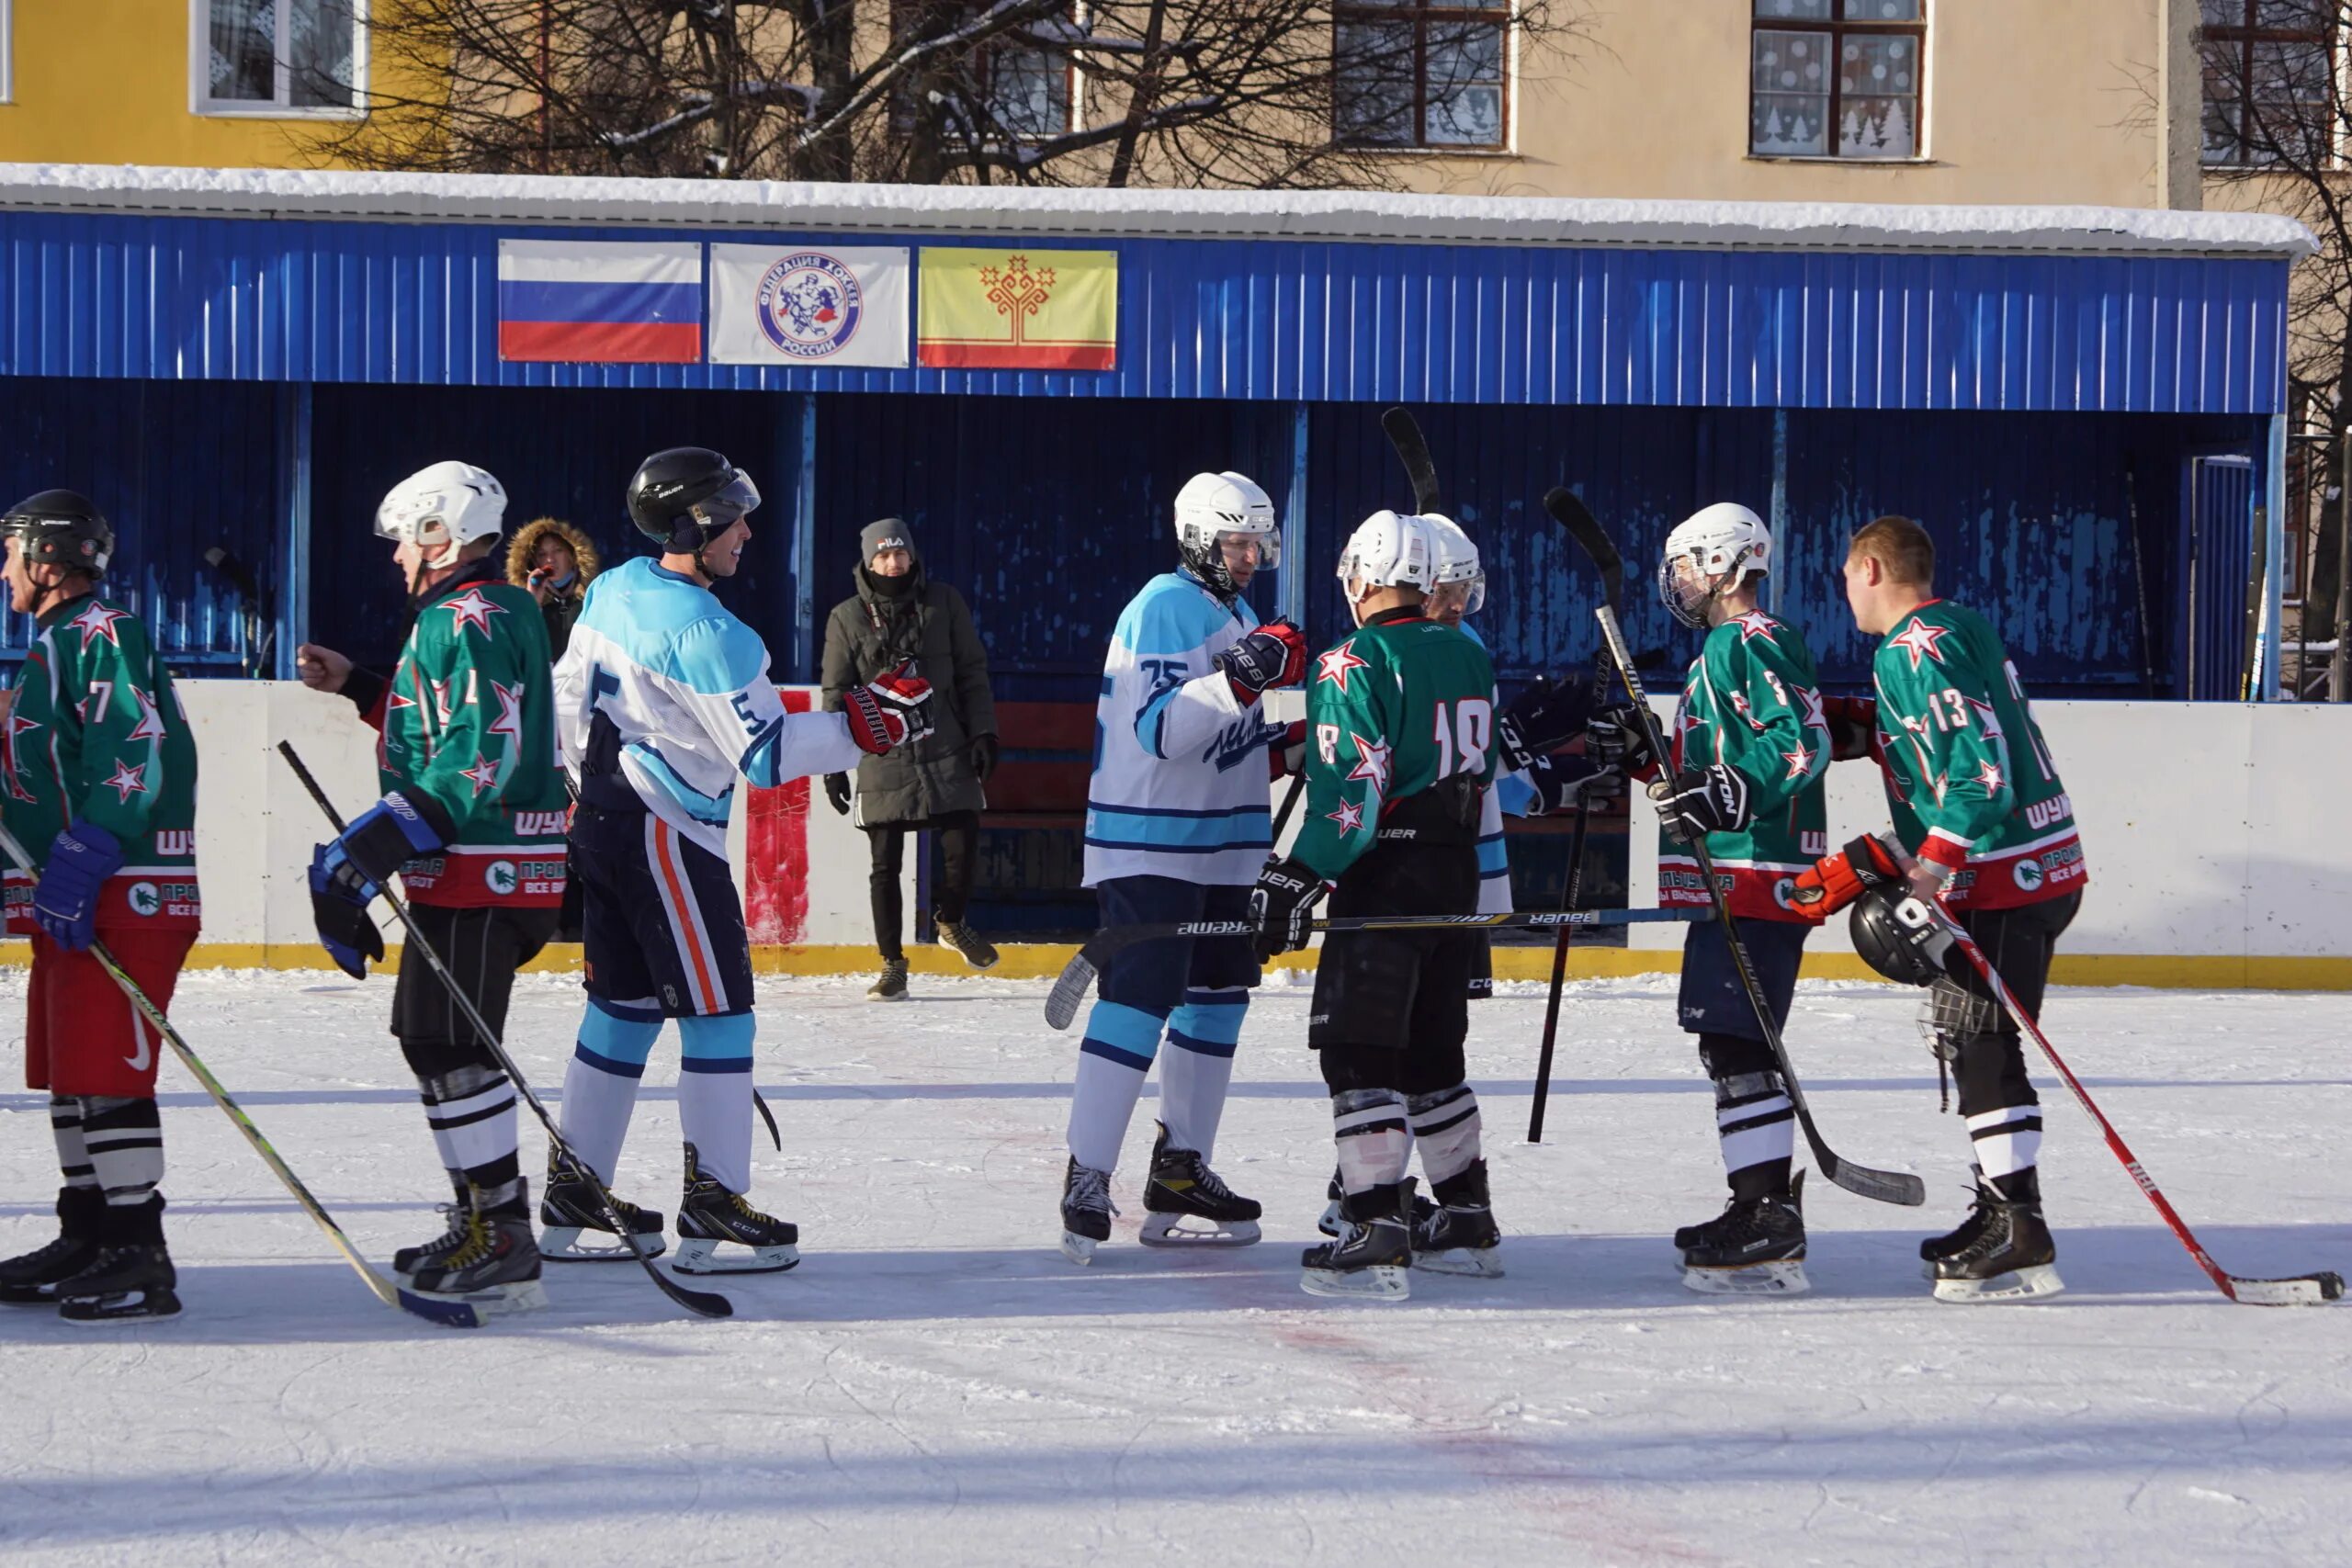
(555, 561)
(900, 613)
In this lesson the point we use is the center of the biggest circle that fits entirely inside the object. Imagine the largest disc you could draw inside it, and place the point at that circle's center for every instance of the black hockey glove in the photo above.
(1613, 737)
(1545, 717)
(837, 791)
(1282, 904)
(1568, 782)
(1698, 801)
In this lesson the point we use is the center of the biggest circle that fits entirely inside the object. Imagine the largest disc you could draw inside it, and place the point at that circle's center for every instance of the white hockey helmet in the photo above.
(1459, 573)
(1212, 507)
(1725, 545)
(1389, 550)
(442, 508)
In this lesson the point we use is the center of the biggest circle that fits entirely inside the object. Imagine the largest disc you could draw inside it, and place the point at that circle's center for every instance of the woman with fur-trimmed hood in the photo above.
(555, 561)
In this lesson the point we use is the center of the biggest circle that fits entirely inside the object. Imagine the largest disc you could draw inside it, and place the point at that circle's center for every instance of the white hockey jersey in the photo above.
(684, 686)
(1179, 787)
(1494, 857)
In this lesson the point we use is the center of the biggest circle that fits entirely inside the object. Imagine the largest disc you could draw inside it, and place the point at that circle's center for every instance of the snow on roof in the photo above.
(1321, 215)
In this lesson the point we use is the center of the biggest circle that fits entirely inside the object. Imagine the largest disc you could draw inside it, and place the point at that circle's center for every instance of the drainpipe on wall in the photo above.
(2180, 108)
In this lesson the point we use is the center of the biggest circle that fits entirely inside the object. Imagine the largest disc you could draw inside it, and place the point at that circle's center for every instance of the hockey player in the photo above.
(472, 818)
(1750, 749)
(663, 702)
(100, 774)
(1400, 725)
(1981, 820)
(1176, 826)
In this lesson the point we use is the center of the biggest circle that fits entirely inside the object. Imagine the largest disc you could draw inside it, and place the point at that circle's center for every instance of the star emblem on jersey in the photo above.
(1753, 625)
(127, 782)
(1800, 762)
(1987, 721)
(1918, 639)
(470, 609)
(484, 774)
(1989, 777)
(1334, 665)
(98, 621)
(150, 720)
(1810, 710)
(510, 710)
(1350, 816)
(18, 725)
(1371, 762)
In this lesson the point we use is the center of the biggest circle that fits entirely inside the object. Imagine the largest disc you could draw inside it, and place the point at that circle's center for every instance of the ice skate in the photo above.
(890, 986)
(568, 1207)
(709, 1215)
(489, 1259)
(1961, 1236)
(1755, 1247)
(1086, 1211)
(1372, 1259)
(2012, 1257)
(1187, 1204)
(967, 944)
(31, 1280)
(1459, 1235)
(1331, 1222)
(131, 1277)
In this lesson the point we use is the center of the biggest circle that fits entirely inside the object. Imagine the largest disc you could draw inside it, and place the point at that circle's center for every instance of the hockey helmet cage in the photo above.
(685, 496)
(60, 527)
(1724, 544)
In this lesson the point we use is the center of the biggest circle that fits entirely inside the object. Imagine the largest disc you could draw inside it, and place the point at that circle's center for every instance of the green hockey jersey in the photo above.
(1391, 710)
(469, 719)
(1969, 778)
(96, 733)
(1752, 702)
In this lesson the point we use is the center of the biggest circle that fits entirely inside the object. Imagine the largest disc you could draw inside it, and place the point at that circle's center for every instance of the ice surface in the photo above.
(935, 1385)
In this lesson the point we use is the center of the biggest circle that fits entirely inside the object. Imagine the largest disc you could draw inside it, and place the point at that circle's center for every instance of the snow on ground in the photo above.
(934, 1384)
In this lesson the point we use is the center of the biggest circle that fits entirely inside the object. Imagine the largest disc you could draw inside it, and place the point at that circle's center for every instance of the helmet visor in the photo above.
(1258, 552)
(739, 497)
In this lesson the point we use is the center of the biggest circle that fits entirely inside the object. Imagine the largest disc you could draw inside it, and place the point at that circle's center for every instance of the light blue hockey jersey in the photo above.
(685, 687)
(1494, 859)
(1180, 782)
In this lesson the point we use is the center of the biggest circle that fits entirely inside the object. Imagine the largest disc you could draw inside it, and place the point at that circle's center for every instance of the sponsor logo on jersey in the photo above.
(2042, 814)
(538, 824)
(1241, 741)
(144, 898)
(1782, 888)
(2028, 873)
(809, 305)
(173, 842)
(500, 877)
(543, 876)
(1814, 843)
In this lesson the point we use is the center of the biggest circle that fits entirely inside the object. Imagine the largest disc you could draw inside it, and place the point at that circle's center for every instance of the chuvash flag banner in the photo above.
(813, 305)
(590, 301)
(1018, 310)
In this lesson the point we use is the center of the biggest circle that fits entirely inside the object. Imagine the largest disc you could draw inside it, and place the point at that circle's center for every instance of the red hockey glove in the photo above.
(1853, 727)
(1286, 752)
(1273, 655)
(893, 710)
(1837, 880)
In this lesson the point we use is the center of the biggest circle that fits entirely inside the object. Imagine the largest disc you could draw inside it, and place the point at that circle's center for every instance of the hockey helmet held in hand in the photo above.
(1900, 937)
(60, 527)
(1710, 553)
(1458, 568)
(686, 496)
(1212, 507)
(1389, 550)
(442, 509)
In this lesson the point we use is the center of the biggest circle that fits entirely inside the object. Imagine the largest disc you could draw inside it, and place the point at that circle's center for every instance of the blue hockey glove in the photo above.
(346, 875)
(65, 902)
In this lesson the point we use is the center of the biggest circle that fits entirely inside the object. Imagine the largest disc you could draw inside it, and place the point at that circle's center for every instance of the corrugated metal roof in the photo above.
(1341, 215)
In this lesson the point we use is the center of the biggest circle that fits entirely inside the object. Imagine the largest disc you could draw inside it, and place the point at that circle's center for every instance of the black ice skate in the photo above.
(1086, 1211)
(405, 1260)
(568, 1206)
(2011, 1259)
(967, 944)
(1371, 1260)
(709, 1215)
(1187, 1204)
(1457, 1234)
(132, 1278)
(31, 1280)
(1755, 1247)
(1330, 1223)
(1963, 1237)
(489, 1259)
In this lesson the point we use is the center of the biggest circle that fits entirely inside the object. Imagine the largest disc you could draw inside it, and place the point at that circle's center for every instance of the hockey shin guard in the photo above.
(472, 1112)
(1198, 1068)
(714, 1095)
(1111, 1061)
(1371, 1127)
(1755, 1120)
(2003, 1112)
(600, 1085)
(125, 1138)
(72, 1154)
(1446, 1129)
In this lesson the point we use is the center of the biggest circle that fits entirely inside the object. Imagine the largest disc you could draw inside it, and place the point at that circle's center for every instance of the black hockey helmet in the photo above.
(682, 498)
(59, 527)
(1899, 937)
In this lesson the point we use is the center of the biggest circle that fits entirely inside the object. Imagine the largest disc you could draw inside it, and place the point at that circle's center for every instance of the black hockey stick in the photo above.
(1569, 896)
(1405, 435)
(710, 1303)
(2299, 1290)
(1077, 975)
(449, 1315)
(1886, 1186)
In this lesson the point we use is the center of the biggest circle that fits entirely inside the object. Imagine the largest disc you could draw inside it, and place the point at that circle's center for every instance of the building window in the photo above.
(1422, 72)
(2267, 64)
(1835, 78)
(290, 57)
(1024, 87)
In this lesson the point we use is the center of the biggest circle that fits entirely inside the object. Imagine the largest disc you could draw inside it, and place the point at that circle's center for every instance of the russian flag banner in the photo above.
(587, 302)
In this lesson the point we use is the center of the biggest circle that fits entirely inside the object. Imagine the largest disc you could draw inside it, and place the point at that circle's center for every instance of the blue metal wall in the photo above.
(416, 303)
(2219, 553)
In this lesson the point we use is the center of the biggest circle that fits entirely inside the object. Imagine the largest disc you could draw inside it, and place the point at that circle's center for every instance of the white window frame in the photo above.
(199, 76)
(7, 52)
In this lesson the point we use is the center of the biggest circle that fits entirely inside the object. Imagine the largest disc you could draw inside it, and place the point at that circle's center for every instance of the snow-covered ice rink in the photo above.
(935, 1385)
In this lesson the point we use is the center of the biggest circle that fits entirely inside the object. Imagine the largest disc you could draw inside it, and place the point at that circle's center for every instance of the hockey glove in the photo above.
(837, 791)
(1698, 801)
(1273, 655)
(1286, 752)
(1284, 904)
(65, 901)
(346, 875)
(983, 754)
(1853, 727)
(1545, 717)
(1615, 738)
(893, 710)
(1568, 782)
(1837, 880)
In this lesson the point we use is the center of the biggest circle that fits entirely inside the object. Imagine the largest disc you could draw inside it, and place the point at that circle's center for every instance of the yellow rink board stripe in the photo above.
(1032, 961)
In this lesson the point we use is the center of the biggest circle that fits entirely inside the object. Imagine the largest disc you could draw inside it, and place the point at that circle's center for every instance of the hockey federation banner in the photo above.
(586, 301)
(829, 305)
(1003, 309)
